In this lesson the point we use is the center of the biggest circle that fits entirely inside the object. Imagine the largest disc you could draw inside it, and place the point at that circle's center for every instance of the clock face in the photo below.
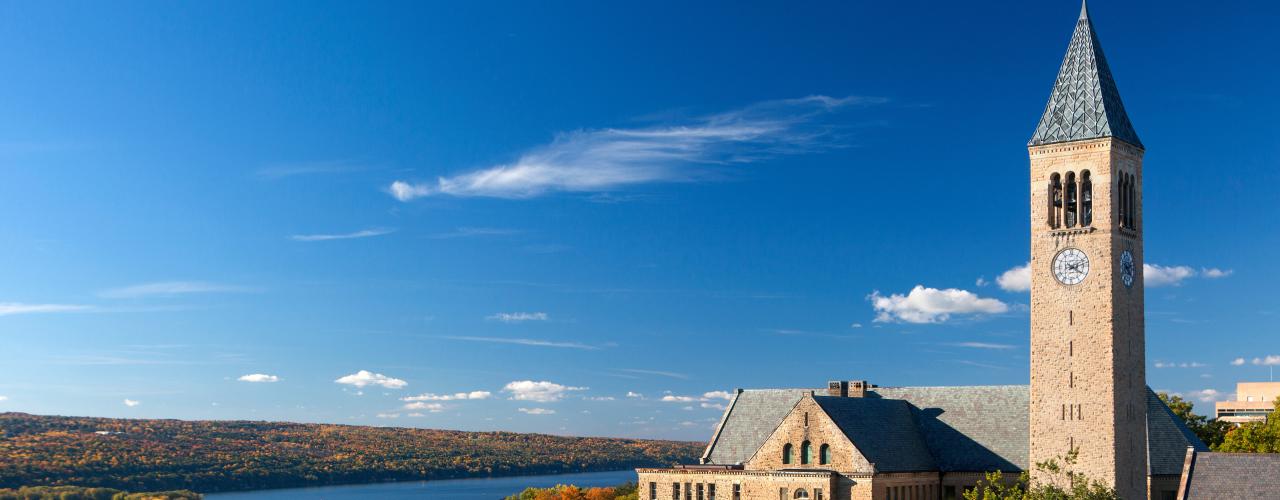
(1071, 266)
(1126, 268)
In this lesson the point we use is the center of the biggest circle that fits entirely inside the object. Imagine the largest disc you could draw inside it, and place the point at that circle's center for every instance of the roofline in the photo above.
(724, 417)
(784, 419)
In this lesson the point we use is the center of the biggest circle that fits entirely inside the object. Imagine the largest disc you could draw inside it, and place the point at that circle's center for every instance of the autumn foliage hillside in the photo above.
(208, 456)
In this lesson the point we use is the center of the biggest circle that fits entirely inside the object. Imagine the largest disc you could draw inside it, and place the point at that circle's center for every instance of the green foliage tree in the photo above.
(1212, 432)
(82, 493)
(1255, 437)
(1058, 482)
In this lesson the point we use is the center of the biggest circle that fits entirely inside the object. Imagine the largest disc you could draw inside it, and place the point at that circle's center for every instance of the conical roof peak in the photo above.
(1085, 103)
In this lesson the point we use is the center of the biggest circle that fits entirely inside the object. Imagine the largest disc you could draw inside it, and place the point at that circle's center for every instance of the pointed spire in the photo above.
(1085, 103)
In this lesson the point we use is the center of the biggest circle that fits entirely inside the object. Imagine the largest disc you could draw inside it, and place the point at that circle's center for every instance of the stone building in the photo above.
(1088, 391)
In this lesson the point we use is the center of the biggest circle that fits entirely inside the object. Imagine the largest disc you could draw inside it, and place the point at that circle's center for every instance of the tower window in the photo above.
(1122, 200)
(1133, 201)
(806, 453)
(1086, 199)
(786, 453)
(1069, 217)
(1055, 200)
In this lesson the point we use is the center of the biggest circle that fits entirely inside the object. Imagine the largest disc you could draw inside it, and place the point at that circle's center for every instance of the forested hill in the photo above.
(208, 456)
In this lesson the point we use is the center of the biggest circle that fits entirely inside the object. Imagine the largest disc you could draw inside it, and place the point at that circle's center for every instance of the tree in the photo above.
(1255, 437)
(1212, 432)
(1058, 482)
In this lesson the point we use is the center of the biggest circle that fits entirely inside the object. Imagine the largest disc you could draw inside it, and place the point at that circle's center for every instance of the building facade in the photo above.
(1254, 401)
(1088, 392)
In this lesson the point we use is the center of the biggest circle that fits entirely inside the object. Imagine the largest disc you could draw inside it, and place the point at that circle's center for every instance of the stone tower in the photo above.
(1088, 378)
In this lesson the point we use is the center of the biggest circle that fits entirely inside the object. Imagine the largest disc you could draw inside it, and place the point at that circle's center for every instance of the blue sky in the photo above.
(550, 217)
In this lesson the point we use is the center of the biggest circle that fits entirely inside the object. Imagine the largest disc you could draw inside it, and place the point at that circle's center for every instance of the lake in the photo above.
(486, 488)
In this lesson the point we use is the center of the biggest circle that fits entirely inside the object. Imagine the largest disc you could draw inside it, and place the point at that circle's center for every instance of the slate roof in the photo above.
(883, 430)
(748, 421)
(1167, 438)
(965, 428)
(1085, 103)
(1233, 476)
(974, 428)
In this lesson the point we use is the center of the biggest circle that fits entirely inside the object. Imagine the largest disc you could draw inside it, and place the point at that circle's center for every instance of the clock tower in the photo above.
(1088, 378)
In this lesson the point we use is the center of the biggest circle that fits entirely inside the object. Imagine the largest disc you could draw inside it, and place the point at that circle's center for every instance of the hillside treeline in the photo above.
(209, 456)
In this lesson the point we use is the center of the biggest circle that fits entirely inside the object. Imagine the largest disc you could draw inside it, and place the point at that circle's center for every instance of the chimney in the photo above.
(838, 388)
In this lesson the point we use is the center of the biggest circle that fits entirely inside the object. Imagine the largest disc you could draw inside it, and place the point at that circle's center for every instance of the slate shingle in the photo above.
(1233, 476)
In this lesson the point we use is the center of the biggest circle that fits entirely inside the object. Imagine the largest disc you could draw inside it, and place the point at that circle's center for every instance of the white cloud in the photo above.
(1237, 362)
(171, 288)
(4, 398)
(1271, 360)
(542, 392)
(419, 405)
(528, 342)
(600, 160)
(1155, 275)
(1206, 395)
(659, 373)
(388, 415)
(983, 345)
(8, 308)
(981, 282)
(599, 398)
(449, 397)
(635, 395)
(931, 305)
(415, 414)
(131, 403)
(364, 378)
(717, 395)
(519, 317)
(537, 411)
(1215, 273)
(364, 233)
(671, 398)
(1017, 279)
(856, 325)
(713, 406)
(258, 377)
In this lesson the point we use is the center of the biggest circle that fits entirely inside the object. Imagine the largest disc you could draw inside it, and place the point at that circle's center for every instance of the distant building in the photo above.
(1254, 401)
(1088, 389)
(1229, 476)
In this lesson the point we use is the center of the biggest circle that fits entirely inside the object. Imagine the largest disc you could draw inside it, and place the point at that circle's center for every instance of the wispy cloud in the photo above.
(430, 407)
(131, 403)
(659, 373)
(9, 308)
(259, 378)
(541, 392)
(1270, 360)
(537, 411)
(449, 397)
(364, 378)
(471, 232)
(281, 171)
(983, 345)
(528, 342)
(172, 288)
(519, 317)
(931, 305)
(605, 159)
(1156, 275)
(1184, 364)
(363, 233)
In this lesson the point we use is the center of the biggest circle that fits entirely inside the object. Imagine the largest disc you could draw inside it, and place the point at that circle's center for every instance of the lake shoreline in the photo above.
(491, 487)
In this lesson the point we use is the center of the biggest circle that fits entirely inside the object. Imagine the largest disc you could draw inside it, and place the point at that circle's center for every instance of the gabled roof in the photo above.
(973, 428)
(750, 419)
(965, 429)
(883, 430)
(1231, 476)
(1167, 438)
(1085, 103)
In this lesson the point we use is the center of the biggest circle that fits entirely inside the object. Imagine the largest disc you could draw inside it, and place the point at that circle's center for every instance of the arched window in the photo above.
(1070, 213)
(801, 493)
(1122, 200)
(1133, 201)
(824, 454)
(1055, 199)
(806, 453)
(786, 453)
(1086, 199)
